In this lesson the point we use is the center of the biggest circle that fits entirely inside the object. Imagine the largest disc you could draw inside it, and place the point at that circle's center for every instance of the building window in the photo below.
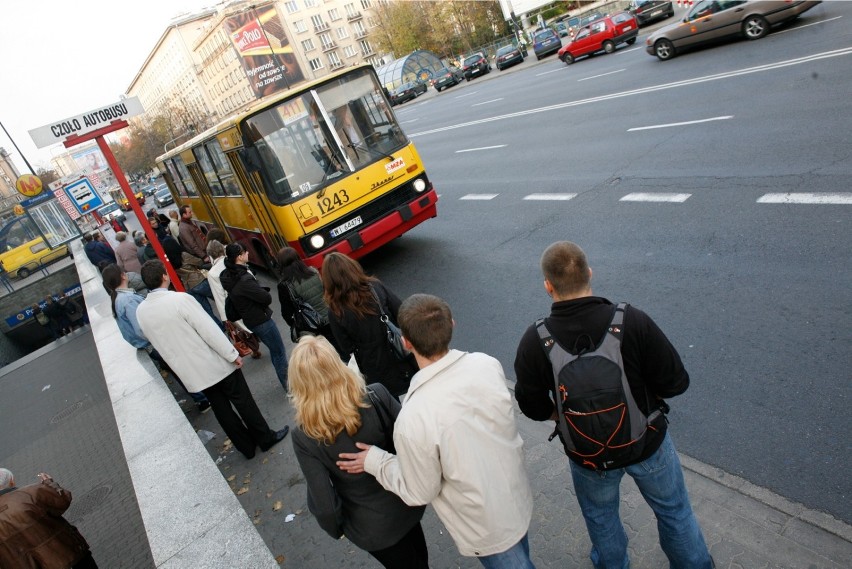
(300, 26)
(366, 48)
(326, 41)
(350, 10)
(308, 45)
(310, 3)
(334, 14)
(342, 33)
(291, 7)
(316, 64)
(350, 51)
(334, 59)
(365, 4)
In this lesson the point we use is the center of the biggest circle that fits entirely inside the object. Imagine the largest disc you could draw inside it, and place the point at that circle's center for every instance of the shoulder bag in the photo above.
(385, 419)
(246, 343)
(393, 332)
(306, 320)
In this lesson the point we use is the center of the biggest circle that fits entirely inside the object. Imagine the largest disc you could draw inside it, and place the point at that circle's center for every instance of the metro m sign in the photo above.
(91, 121)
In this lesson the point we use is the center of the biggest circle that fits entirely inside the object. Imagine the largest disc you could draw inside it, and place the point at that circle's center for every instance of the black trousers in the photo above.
(86, 562)
(408, 553)
(246, 427)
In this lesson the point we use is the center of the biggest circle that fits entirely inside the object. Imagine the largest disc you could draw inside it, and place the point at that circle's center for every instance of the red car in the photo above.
(601, 35)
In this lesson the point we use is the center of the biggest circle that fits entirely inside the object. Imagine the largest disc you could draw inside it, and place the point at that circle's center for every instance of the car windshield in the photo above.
(443, 71)
(505, 50)
(163, 193)
(471, 60)
(543, 35)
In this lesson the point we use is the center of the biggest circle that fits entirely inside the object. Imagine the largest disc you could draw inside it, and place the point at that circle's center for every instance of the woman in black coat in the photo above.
(355, 320)
(334, 409)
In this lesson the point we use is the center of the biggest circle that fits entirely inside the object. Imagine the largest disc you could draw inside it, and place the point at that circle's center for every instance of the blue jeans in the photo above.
(202, 293)
(660, 480)
(268, 334)
(516, 557)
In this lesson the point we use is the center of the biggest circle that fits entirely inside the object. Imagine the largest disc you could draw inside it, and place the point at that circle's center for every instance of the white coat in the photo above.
(458, 448)
(188, 339)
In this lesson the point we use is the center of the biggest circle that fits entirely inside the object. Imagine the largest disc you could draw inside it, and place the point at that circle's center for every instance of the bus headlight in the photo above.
(317, 242)
(419, 185)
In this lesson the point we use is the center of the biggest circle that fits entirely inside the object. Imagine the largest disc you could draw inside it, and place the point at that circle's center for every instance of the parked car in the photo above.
(647, 11)
(602, 35)
(163, 197)
(561, 28)
(111, 211)
(447, 77)
(711, 21)
(545, 42)
(507, 56)
(475, 65)
(407, 92)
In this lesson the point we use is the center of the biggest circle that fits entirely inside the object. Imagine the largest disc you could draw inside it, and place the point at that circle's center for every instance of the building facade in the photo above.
(208, 66)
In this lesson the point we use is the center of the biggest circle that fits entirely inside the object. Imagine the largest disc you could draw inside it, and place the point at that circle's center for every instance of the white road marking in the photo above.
(805, 26)
(486, 102)
(548, 72)
(644, 90)
(619, 52)
(601, 75)
(549, 197)
(655, 197)
(480, 148)
(409, 122)
(467, 95)
(679, 123)
(838, 198)
(479, 197)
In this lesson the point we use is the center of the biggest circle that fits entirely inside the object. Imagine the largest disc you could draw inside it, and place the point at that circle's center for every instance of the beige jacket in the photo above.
(188, 339)
(458, 448)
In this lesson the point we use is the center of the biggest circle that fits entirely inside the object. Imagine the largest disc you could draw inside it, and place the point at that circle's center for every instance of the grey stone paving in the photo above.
(57, 418)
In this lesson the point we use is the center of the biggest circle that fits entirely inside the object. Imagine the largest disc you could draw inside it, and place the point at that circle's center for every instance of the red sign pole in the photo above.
(98, 135)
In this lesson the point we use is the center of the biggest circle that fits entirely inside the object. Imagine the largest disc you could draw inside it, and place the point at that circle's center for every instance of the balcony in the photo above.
(360, 34)
(367, 52)
(329, 47)
(337, 65)
(353, 17)
(324, 27)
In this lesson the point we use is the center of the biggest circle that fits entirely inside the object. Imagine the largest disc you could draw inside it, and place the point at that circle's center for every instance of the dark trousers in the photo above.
(246, 427)
(408, 553)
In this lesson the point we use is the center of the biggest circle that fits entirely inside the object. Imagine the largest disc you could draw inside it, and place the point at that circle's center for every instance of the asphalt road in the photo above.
(755, 296)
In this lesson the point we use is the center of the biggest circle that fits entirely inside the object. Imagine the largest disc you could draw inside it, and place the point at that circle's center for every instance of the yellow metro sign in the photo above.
(29, 185)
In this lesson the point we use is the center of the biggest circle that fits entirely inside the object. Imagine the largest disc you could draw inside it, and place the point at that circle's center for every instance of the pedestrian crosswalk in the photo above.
(812, 198)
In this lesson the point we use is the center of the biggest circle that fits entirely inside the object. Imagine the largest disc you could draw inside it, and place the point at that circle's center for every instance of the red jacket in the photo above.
(33, 533)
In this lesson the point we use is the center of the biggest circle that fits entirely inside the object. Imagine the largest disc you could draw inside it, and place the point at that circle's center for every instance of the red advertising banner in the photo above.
(265, 50)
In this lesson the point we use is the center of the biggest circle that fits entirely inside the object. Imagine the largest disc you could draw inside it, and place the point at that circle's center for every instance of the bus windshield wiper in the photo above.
(360, 145)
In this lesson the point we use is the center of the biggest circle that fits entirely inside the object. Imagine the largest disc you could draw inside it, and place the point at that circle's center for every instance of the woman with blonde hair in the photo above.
(356, 302)
(334, 409)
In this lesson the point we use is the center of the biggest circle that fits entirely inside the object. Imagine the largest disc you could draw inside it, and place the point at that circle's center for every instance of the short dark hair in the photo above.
(427, 322)
(153, 272)
(565, 267)
(184, 209)
(233, 250)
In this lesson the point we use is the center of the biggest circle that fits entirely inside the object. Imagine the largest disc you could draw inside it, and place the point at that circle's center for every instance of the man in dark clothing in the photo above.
(96, 250)
(171, 247)
(252, 302)
(578, 321)
(191, 236)
(33, 532)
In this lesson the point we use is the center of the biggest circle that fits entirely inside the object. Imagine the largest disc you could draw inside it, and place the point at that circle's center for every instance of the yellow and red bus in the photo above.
(323, 167)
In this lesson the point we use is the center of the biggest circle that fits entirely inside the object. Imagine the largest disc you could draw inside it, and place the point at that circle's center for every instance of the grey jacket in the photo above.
(354, 505)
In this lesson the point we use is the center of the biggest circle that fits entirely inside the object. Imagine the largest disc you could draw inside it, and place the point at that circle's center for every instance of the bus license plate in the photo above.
(340, 230)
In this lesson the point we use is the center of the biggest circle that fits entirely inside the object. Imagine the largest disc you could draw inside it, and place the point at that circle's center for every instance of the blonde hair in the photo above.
(325, 393)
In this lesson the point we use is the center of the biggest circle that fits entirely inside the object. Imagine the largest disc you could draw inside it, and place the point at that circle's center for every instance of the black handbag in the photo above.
(385, 418)
(306, 320)
(393, 332)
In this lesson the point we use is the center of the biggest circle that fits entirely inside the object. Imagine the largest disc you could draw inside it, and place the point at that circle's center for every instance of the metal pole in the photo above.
(19, 150)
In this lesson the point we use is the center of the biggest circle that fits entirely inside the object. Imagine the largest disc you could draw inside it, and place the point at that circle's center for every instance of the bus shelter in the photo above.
(419, 65)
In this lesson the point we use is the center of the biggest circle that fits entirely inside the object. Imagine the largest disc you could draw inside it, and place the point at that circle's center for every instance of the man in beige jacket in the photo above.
(203, 357)
(457, 443)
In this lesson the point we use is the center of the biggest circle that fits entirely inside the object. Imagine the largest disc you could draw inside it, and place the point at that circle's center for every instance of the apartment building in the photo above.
(217, 62)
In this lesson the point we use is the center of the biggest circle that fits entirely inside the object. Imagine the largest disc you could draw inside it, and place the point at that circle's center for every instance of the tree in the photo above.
(46, 176)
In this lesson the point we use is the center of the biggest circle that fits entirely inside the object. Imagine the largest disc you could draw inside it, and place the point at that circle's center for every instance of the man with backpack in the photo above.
(601, 372)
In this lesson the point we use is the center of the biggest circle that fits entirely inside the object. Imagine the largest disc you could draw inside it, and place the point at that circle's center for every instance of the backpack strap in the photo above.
(558, 357)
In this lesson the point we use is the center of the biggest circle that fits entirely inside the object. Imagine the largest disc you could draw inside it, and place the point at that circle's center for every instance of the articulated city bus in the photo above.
(323, 167)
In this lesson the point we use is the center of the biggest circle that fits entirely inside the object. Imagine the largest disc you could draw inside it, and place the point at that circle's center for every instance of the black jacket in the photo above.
(249, 299)
(367, 339)
(652, 365)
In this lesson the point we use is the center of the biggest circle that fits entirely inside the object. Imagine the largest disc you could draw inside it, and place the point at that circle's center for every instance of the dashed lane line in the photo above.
(479, 197)
(480, 148)
(655, 197)
(821, 198)
(487, 102)
(601, 75)
(550, 197)
(685, 123)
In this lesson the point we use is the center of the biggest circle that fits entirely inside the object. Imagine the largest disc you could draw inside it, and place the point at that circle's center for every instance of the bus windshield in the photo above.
(304, 143)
